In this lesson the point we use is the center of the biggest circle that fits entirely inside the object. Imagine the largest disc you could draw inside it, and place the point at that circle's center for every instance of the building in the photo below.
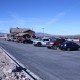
(5, 35)
(22, 32)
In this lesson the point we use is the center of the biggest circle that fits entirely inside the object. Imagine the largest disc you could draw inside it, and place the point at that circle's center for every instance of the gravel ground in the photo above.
(9, 70)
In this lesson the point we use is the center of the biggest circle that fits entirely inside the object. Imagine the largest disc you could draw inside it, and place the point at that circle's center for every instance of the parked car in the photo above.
(27, 41)
(20, 40)
(13, 39)
(54, 43)
(69, 45)
(8, 38)
(41, 42)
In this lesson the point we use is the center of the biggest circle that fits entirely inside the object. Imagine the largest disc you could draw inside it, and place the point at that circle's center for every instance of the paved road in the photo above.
(46, 63)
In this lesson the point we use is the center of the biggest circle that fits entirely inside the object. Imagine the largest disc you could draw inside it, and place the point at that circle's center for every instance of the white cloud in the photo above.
(50, 22)
(55, 18)
(15, 20)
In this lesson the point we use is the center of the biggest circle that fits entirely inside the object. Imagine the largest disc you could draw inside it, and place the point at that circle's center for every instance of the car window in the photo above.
(14, 38)
(61, 40)
(74, 44)
(54, 39)
(45, 39)
(69, 43)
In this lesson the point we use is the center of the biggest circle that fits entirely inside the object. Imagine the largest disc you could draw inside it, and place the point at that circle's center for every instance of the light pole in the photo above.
(43, 31)
(32, 28)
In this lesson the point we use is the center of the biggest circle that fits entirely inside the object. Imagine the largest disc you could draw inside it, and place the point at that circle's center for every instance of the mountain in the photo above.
(1, 34)
(39, 34)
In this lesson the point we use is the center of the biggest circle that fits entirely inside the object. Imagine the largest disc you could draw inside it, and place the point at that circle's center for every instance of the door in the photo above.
(74, 46)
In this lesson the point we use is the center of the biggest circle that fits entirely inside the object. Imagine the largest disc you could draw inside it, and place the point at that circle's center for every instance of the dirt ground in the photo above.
(9, 70)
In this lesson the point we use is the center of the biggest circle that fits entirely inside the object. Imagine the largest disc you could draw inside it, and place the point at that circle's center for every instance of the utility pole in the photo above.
(43, 31)
(32, 28)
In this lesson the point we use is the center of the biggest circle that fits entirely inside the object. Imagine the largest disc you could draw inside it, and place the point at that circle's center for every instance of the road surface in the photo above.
(48, 64)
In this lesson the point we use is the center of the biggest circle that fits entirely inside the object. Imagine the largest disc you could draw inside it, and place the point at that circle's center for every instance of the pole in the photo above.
(43, 31)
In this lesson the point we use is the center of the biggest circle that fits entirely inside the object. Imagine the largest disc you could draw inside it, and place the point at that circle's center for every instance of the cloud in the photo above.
(55, 18)
(60, 14)
(15, 20)
(24, 21)
(50, 22)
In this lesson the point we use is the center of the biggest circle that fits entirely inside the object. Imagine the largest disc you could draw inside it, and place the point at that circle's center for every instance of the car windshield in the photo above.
(53, 39)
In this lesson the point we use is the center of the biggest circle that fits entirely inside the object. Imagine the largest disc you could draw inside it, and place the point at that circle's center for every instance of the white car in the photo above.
(41, 42)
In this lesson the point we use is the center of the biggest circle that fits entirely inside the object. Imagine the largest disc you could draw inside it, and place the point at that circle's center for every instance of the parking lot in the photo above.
(48, 64)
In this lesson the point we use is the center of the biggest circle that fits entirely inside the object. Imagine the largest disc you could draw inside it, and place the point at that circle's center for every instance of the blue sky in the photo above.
(57, 17)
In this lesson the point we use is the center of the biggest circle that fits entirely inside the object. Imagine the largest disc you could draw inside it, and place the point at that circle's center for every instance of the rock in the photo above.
(9, 70)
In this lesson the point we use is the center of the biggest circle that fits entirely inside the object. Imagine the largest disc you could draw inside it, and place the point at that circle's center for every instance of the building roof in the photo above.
(18, 30)
(21, 34)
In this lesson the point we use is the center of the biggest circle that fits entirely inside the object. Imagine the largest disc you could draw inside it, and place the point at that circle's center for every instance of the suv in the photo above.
(54, 43)
(41, 42)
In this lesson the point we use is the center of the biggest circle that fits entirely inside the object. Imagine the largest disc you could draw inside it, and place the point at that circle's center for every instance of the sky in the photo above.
(56, 17)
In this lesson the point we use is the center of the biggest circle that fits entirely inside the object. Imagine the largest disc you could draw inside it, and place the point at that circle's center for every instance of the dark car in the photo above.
(54, 43)
(69, 46)
(28, 41)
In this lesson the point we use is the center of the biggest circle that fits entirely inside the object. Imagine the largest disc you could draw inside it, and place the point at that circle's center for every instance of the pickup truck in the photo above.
(54, 43)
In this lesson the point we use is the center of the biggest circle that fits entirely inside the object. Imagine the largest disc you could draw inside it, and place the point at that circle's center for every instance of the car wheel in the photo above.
(54, 47)
(79, 49)
(39, 44)
(68, 49)
(23, 42)
(49, 47)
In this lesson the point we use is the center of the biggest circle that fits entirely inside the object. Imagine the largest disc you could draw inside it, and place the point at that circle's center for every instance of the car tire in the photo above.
(24, 42)
(79, 49)
(49, 47)
(39, 44)
(68, 49)
(54, 47)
